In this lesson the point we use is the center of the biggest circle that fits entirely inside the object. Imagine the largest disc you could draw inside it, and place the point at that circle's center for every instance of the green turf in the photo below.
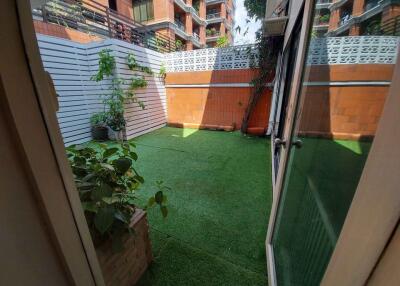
(218, 206)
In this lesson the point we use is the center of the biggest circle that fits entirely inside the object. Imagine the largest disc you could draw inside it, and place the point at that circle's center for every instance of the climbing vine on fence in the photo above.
(269, 48)
(268, 52)
(122, 90)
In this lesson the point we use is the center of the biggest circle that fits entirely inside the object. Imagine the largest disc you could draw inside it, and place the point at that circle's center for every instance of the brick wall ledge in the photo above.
(213, 85)
(349, 83)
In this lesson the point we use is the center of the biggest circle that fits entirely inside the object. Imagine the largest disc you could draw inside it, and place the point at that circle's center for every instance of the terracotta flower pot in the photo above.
(126, 267)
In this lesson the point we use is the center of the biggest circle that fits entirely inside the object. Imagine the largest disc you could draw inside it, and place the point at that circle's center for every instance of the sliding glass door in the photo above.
(326, 137)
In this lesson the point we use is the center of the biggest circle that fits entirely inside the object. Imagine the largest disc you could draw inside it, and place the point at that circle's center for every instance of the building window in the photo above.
(112, 4)
(143, 10)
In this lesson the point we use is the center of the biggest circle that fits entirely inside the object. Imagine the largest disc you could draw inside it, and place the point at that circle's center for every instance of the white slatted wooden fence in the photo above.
(72, 64)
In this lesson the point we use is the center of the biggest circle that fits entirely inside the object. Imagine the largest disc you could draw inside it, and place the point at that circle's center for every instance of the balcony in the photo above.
(212, 36)
(91, 17)
(370, 4)
(321, 22)
(210, 2)
(323, 4)
(196, 40)
(215, 17)
(180, 25)
(190, 9)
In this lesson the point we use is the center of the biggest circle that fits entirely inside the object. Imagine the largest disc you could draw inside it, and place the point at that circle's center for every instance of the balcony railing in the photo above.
(196, 36)
(179, 24)
(344, 20)
(324, 1)
(91, 17)
(213, 16)
(321, 21)
(213, 34)
(370, 4)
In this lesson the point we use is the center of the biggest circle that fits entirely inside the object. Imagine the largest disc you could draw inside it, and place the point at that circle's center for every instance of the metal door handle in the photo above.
(279, 142)
(297, 143)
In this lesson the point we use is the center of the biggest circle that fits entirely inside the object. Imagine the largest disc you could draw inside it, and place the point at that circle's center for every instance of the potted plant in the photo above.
(99, 128)
(116, 122)
(208, 32)
(178, 45)
(107, 182)
(213, 31)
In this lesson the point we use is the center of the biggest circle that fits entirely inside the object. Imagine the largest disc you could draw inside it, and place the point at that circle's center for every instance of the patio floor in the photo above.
(218, 206)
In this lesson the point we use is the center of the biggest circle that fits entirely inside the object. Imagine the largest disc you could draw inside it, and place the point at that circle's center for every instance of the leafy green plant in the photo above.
(106, 65)
(138, 82)
(134, 65)
(163, 71)
(178, 45)
(196, 6)
(122, 90)
(222, 42)
(208, 32)
(107, 183)
(325, 18)
(99, 119)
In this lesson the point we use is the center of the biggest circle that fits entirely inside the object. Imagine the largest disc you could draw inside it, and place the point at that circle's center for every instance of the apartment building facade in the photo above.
(356, 17)
(190, 24)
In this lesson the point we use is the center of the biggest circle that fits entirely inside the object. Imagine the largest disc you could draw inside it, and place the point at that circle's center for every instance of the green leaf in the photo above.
(164, 200)
(107, 166)
(102, 145)
(104, 218)
(110, 152)
(88, 177)
(122, 165)
(164, 211)
(84, 185)
(140, 179)
(133, 156)
(90, 207)
(151, 202)
(159, 197)
(78, 160)
(104, 190)
(110, 200)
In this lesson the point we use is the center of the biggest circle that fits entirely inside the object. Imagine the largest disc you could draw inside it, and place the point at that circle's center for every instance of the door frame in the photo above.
(289, 122)
(375, 210)
(354, 258)
(33, 111)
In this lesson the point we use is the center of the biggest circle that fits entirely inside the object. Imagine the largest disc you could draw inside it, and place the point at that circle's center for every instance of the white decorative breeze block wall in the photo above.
(353, 50)
(323, 51)
(236, 57)
(71, 65)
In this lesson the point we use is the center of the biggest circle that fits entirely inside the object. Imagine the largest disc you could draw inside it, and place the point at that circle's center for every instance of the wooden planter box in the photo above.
(126, 267)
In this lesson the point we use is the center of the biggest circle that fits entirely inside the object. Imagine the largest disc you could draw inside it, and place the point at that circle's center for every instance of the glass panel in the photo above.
(345, 82)
(143, 12)
(284, 88)
(150, 10)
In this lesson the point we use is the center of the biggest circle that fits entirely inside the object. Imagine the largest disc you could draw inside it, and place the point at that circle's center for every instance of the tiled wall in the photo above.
(215, 100)
(350, 106)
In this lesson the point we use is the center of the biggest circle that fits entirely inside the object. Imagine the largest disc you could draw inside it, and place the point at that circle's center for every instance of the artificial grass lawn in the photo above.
(218, 206)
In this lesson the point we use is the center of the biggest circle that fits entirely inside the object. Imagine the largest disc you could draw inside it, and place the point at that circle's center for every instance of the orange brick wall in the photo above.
(63, 32)
(344, 112)
(215, 107)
